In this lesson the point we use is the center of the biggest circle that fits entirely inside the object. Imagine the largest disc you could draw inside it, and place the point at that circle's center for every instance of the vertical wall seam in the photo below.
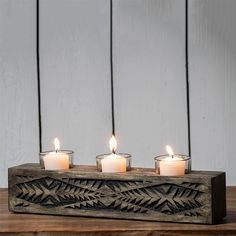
(187, 76)
(111, 68)
(38, 75)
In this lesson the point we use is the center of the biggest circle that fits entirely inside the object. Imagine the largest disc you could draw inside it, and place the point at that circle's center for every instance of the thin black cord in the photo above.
(38, 75)
(187, 76)
(111, 68)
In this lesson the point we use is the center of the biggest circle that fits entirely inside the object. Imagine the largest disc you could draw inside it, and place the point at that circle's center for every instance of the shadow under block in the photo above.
(198, 197)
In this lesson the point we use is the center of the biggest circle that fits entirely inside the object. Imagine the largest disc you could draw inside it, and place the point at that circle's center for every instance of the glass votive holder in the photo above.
(177, 165)
(56, 160)
(108, 163)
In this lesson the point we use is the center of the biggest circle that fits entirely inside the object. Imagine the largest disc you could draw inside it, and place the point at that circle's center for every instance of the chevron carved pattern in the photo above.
(110, 195)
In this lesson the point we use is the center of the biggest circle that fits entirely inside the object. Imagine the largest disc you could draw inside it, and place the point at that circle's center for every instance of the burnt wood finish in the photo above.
(198, 197)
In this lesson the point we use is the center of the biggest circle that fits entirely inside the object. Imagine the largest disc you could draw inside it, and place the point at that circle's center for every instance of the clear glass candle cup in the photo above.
(67, 152)
(179, 165)
(127, 157)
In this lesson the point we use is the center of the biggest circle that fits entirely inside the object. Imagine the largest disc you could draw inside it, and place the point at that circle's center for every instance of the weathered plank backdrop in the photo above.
(149, 80)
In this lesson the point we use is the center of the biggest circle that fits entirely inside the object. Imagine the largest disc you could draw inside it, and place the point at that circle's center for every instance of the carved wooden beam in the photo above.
(198, 197)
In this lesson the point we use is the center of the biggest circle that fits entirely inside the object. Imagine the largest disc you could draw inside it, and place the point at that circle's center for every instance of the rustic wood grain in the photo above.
(31, 224)
(198, 197)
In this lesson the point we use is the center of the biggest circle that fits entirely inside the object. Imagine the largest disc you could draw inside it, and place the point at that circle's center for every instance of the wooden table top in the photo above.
(31, 224)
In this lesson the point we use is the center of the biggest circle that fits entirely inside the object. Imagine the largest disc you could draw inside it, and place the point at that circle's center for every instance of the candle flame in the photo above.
(169, 150)
(56, 144)
(113, 144)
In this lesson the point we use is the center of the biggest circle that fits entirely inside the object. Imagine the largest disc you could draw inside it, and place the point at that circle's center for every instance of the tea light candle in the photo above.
(172, 165)
(113, 163)
(57, 160)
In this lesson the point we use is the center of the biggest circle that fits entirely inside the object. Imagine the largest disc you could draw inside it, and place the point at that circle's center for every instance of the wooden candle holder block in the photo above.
(198, 197)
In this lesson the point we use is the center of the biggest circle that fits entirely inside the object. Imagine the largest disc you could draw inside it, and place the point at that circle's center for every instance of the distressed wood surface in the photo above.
(149, 77)
(212, 59)
(18, 85)
(75, 77)
(198, 197)
(31, 224)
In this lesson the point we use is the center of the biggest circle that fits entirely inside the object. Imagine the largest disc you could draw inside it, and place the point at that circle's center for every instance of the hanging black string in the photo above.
(111, 68)
(187, 76)
(38, 75)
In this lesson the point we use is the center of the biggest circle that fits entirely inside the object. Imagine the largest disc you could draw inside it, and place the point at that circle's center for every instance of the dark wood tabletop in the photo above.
(32, 224)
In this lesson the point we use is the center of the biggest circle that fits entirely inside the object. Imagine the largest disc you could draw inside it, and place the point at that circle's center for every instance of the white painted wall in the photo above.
(75, 76)
(149, 80)
(212, 56)
(18, 85)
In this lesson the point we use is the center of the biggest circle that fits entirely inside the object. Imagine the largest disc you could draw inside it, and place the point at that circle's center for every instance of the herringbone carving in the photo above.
(110, 195)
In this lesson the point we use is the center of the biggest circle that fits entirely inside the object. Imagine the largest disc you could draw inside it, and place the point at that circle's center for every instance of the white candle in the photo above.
(172, 165)
(113, 163)
(57, 160)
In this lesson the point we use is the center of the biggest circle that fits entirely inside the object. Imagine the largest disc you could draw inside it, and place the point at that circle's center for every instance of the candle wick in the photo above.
(172, 156)
(56, 150)
(113, 151)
